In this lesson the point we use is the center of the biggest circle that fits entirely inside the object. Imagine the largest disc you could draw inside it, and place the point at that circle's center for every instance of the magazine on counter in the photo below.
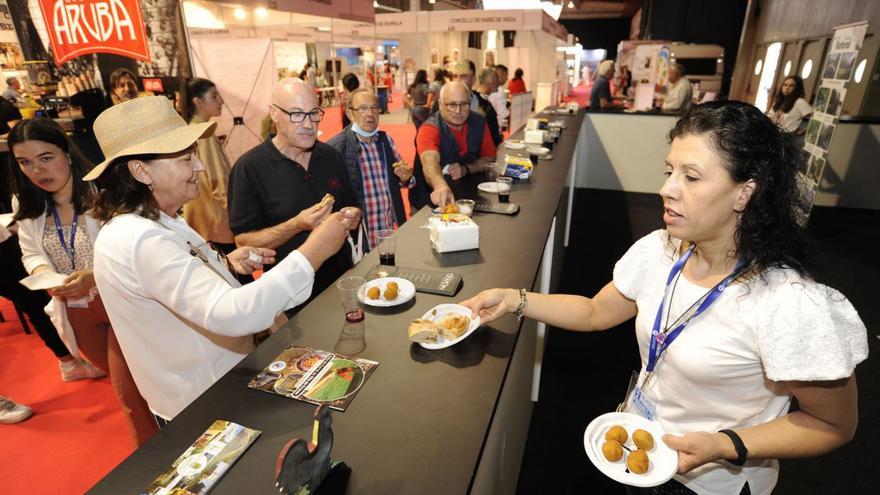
(202, 465)
(314, 376)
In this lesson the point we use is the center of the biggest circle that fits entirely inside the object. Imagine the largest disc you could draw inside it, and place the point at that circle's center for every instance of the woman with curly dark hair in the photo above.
(789, 107)
(727, 283)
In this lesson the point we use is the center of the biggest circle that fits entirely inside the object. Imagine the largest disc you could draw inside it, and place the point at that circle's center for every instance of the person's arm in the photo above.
(826, 419)
(276, 235)
(185, 285)
(606, 101)
(487, 154)
(607, 309)
(402, 170)
(427, 146)
(245, 212)
(29, 241)
(441, 193)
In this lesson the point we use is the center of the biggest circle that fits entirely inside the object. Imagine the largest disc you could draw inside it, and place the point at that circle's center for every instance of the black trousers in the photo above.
(673, 487)
(30, 302)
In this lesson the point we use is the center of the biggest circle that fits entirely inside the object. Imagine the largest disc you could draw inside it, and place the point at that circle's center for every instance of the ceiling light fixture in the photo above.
(570, 4)
(261, 12)
(239, 13)
(375, 4)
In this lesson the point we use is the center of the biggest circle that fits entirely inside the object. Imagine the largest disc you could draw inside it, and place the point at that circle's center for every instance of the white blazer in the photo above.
(30, 237)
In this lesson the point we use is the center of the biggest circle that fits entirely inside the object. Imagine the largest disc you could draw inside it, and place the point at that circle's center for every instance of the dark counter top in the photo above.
(420, 422)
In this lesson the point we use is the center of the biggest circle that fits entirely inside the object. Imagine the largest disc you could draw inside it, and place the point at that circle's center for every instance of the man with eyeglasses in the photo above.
(454, 142)
(276, 188)
(486, 85)
(465, 72)
(376, 171)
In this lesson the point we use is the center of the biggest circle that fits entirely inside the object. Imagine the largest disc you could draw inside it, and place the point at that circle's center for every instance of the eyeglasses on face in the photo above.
(453, 106)
(364, 109)
(297, 117)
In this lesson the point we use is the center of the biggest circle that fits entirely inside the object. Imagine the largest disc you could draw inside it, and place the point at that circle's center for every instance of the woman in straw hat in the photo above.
(180, 316)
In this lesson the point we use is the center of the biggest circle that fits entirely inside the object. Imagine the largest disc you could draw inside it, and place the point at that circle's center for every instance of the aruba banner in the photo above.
(80, 27)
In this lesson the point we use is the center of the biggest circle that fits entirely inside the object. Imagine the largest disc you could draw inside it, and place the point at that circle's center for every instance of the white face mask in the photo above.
(362, 133)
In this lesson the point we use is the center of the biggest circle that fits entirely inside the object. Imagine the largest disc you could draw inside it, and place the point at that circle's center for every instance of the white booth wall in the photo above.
(533, 51)
(623, 152)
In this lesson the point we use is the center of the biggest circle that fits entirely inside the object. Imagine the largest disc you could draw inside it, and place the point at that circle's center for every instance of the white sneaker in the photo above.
(13, 412)
(79, 370)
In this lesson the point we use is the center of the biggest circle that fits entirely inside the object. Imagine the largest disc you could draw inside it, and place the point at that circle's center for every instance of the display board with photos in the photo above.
(836, 73)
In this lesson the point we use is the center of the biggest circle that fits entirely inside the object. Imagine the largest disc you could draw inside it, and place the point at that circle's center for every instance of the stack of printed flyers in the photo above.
(198, 469)
(314, 376)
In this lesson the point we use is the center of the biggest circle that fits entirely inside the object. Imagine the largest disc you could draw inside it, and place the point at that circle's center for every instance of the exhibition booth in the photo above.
(269, 44)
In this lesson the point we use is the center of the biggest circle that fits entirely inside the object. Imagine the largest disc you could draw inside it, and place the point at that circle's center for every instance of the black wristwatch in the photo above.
(739, 446)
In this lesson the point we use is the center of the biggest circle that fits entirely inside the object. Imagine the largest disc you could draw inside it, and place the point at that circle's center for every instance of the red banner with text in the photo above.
(79, 27)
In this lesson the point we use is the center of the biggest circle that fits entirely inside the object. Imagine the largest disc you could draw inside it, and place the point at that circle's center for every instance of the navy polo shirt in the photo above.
(267, 188)
(601, 89)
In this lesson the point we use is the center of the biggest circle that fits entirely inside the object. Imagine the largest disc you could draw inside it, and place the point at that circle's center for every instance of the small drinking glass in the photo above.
(465, 207)
(349, 288)
(503, 185)
(385, 240)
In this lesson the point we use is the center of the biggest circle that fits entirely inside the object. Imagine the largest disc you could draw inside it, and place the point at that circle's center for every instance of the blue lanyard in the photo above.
(660, 341)
(58, 230)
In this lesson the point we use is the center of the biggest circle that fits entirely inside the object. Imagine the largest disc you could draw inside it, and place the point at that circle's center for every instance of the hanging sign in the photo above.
(80, 27)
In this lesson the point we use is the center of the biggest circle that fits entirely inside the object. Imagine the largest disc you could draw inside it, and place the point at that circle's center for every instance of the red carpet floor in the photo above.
(580, 94)
(77, 433)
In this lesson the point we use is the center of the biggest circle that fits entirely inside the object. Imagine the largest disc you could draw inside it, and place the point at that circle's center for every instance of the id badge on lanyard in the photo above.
(636, 400)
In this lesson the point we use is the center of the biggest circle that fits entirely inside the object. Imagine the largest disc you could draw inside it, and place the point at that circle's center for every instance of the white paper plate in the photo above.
(539, 150)
(514, 144)
(562, 111)
(489, 187)
(405, 291)
(662, 461)
(43, 280)
(557, 123)
(439, 312)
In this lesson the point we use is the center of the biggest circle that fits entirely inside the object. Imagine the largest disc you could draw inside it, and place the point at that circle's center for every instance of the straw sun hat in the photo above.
(144, 126)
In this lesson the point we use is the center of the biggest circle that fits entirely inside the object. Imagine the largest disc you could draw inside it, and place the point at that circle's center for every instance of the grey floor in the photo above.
(585, 375)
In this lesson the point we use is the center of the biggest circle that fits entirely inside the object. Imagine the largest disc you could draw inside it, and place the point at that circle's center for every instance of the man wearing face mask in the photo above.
(376, 171)
(277, 189)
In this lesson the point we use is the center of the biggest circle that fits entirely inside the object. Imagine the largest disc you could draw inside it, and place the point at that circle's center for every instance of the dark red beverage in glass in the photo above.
(386, 259)
(354, 316)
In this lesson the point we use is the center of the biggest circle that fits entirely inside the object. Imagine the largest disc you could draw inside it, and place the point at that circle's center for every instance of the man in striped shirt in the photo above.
(375, 169)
